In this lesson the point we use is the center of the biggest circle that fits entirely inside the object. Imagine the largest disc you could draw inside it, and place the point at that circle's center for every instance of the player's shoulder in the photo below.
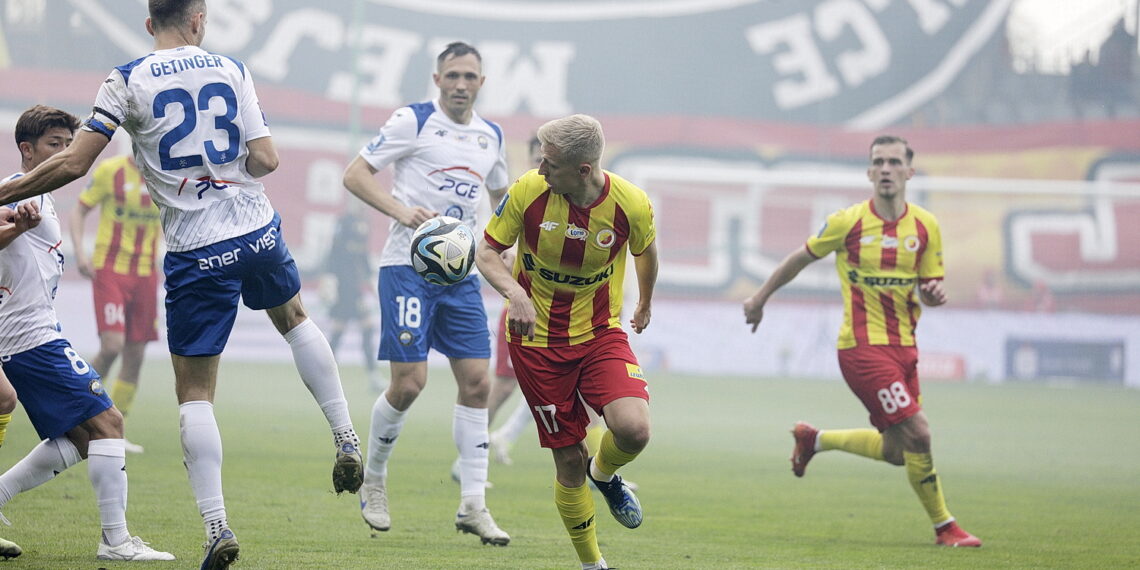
(623, 190)
(921, 213)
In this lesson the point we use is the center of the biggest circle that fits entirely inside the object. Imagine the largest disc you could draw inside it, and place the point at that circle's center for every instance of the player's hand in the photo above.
(753, 312)
(521, 316)
(641, 316)
(932, 293)
(417, 215)
(27, 216)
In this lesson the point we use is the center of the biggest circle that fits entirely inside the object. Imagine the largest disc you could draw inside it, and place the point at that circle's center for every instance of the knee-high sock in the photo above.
(5, 419)
(107, 469)
(39, 466)
(594, 434)
(202, 455)
(865, 442)
(924, 479)
(317, 366)
(576, 507)
(609, 458)
(516, 422)
(123, 394)
(386, 425)
(469, 429)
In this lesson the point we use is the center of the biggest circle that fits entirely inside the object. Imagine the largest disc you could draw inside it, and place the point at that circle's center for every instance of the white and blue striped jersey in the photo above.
(30, 268)
(439, 165)
(190, 113)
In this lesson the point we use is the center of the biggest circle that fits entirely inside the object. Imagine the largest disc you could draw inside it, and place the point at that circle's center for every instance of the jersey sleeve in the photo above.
(252, 117)
(499, 177)
(831, 235)
(396, 139)
(643, 230)
(110, 108)
(930, 265)
(98, 188)
(505, 225)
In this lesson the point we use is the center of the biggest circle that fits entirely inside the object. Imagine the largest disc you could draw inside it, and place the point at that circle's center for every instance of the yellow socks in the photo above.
(865, 442)
(576, 506)
(609, 458)
(4, 419)
(123, 394)
(594, 437)
(924, 479)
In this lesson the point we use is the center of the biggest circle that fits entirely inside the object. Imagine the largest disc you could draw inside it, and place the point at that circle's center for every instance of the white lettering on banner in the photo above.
(802, 60)
(875, 56)
(796, 56)
(538, 82)
(383, 60)
(325, 28)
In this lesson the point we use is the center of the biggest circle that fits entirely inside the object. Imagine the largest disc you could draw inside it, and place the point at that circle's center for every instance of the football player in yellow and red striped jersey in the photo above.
(573, 223)
(888, 254)
(122, 272)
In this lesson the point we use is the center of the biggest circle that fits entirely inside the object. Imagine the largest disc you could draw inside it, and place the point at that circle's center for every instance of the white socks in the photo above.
(39, 466)
(469, 430)
(106, 467)
(386, 425)
(317, 366)
(202, 454)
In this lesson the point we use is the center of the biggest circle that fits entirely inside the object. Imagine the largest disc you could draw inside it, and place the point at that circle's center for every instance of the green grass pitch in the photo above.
(1048, 477)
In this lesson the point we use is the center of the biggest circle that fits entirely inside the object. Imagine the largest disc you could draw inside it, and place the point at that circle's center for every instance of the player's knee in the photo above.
(632, 437)
(7, 400)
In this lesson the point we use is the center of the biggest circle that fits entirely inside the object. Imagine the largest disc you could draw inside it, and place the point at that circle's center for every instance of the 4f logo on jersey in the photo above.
(549, 226)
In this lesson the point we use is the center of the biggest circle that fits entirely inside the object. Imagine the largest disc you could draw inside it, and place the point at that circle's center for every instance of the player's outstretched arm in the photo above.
(521, 316)
(360, 179)
(63, 167)
(645, 265)
(782, 275)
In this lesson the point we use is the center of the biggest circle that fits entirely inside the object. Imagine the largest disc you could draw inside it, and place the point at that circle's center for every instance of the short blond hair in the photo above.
(578, 138)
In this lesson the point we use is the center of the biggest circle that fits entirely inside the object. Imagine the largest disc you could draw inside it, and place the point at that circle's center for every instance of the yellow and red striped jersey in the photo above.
(128, 219)
(879, 265)
(571, 260)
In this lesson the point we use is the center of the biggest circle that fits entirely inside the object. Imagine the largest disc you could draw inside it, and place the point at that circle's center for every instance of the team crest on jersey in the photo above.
(605, 238)
(483, 142)
(575, 232)
(454, 211)
(911, 243)
(96, 387)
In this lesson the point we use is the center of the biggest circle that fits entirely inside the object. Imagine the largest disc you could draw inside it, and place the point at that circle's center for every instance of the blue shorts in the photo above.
(203, 286)
(416, 316)
(58, 389)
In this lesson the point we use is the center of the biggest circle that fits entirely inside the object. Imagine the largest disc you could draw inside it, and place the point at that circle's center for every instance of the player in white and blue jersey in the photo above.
(446, 159)
(201, 142)
(62, 395)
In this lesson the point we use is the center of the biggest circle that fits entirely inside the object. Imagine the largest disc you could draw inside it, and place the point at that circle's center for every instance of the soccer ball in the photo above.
(443, 250)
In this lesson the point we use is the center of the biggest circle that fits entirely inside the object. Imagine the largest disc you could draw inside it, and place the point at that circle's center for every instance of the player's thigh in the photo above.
(610, 371)
(201, 300)
(883, 378)
(141, 310)
(548, 379)
(406, 312)
(459, 321)
(58, 388)
(268, 272)
(110, 295)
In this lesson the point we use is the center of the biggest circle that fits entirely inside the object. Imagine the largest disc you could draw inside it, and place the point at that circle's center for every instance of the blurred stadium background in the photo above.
(746, 120)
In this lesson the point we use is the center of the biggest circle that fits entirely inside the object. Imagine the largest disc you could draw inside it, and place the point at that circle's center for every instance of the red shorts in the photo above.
(126, 304)
(885, 378)
(600, 370)
(503, 366)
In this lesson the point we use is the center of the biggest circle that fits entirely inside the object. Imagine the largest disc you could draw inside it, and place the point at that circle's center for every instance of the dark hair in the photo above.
(892, 139)
(36, 121)
(457, 49)
(173, 13)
